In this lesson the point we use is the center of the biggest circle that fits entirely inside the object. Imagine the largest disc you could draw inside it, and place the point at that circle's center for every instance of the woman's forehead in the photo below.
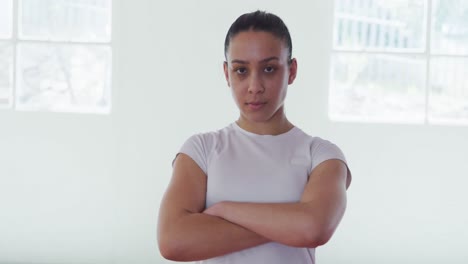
(255, 37)
(256, 45)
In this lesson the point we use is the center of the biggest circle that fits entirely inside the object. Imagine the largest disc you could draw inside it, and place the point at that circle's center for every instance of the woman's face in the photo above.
(258, 72)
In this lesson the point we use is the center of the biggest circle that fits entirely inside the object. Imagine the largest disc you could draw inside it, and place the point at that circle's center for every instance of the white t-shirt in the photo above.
(246, 167)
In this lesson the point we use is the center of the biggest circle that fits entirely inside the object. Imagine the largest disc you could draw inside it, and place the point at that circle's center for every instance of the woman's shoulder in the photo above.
(312, 139)
(200, 146)
(209, 138)
(317, 143)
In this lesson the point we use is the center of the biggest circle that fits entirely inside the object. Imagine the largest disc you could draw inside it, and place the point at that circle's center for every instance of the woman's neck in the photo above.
(270, 127)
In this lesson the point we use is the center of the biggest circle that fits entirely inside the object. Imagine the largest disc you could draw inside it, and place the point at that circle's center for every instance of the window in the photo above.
(400, 61)
(6, 53)
(55, 55)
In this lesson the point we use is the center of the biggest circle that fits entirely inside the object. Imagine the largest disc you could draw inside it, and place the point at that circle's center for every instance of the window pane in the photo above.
(68, 78)
(448, 101)
(65, 20)
(6, 74)
(6, 11)
(450, 27)
(379, 24)
(377, 88)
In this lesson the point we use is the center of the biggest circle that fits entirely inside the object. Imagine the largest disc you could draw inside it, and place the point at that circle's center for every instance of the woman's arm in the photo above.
(184, 232)
(308, 223)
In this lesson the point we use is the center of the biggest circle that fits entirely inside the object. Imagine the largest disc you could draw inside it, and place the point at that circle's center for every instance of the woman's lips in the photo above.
(255, 105)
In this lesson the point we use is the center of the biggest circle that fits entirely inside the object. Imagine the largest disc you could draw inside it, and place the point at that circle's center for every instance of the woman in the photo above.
(259, 190)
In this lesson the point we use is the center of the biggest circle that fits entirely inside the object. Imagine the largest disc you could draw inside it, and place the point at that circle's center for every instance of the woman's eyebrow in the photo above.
(262, 61)
(240, 61)
(269, 59)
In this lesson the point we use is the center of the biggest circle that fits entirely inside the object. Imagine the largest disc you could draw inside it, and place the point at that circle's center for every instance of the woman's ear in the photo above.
(226, 73)
(292, 70)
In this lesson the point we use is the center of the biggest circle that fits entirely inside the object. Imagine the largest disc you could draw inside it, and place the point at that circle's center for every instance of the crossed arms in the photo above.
(187, 231)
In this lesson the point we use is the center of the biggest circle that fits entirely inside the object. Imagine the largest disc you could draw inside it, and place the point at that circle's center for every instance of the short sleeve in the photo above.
(322, 150)
(195, 148)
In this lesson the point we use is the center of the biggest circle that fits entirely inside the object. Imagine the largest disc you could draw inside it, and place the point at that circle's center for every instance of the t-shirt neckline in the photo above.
(251, 134)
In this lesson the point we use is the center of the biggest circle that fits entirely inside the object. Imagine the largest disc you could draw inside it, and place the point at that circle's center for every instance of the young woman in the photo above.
(259, 190)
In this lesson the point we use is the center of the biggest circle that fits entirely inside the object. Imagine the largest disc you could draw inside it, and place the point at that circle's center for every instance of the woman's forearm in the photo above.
(293, 224)
(198, 236)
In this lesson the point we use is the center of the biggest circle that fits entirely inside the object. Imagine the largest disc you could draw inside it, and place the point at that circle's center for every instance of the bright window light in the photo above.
(65, 20)
(64, 78)
(6, 74)
(58, 56)
(6, 53)
(448, 93)
(377, 88)
(379, 25)
(6, 17)
(401, 61)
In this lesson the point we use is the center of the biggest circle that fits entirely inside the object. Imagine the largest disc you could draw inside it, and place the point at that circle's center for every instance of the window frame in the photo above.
(425, 53)
(15, 40)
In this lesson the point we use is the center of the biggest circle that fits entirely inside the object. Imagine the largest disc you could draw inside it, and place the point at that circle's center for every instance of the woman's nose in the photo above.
(255, 85)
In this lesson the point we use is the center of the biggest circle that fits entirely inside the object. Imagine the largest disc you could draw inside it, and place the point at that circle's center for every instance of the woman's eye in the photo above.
(241, 70)
(269, 69)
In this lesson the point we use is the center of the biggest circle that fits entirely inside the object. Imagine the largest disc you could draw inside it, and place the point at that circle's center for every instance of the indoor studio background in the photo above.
(85, 188)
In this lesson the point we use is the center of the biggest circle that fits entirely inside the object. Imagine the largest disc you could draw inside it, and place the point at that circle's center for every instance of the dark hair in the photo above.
(260, 21)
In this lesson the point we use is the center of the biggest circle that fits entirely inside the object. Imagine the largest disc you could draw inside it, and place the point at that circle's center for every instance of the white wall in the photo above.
(85, 188)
